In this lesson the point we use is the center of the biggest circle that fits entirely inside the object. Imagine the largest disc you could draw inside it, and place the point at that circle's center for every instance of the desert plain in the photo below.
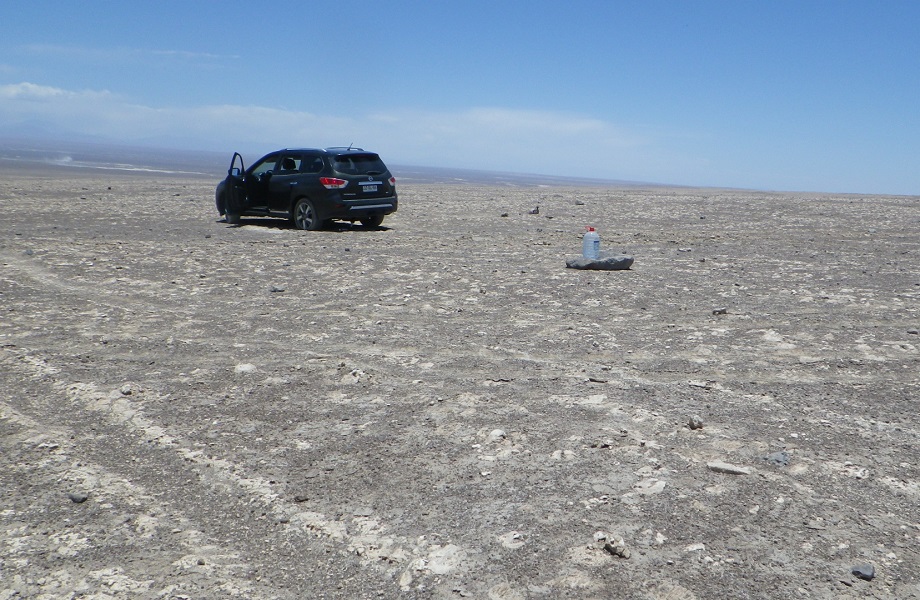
(438, 408)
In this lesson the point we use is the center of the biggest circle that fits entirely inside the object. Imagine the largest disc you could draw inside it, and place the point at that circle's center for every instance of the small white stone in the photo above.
(497, 434)
(649, 487)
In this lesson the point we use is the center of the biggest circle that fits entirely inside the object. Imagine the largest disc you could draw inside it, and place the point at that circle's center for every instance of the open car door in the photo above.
(235, 199)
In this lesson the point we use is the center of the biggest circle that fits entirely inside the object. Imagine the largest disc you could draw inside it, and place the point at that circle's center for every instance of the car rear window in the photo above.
(359, 164)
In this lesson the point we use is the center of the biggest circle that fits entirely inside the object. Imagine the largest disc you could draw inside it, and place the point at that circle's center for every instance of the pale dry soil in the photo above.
(440, 409)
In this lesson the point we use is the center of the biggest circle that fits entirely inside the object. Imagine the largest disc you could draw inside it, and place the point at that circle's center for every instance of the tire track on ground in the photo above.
(367, 542)
(48, 465)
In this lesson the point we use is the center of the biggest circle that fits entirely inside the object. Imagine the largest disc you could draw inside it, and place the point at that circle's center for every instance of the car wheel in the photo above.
(232, 219)
(374, 221)
(305, 216)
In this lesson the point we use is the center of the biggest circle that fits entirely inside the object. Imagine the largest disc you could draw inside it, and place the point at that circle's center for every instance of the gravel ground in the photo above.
(438, 408)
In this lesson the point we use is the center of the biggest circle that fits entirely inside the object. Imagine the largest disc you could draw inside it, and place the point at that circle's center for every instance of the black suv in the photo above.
(310, 187)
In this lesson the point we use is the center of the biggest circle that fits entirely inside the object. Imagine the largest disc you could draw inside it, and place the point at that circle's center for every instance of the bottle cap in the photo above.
(589, 228)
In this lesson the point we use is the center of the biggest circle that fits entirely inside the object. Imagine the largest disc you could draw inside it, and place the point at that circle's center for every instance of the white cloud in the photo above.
(108, 55)
(514, 140)
(29, 91)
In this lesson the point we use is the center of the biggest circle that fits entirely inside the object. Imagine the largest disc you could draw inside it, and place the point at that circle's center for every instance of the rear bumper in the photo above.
(386, 208)
(360, 209)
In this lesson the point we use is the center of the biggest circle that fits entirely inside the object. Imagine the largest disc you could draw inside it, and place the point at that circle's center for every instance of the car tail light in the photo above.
(392, 182)
(333, 183)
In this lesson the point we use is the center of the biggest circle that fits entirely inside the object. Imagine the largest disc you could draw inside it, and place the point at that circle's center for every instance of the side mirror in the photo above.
(234, 172)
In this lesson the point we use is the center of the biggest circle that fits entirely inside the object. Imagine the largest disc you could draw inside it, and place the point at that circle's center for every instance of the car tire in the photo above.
(305, 216)
(231, 219)
(374, 221)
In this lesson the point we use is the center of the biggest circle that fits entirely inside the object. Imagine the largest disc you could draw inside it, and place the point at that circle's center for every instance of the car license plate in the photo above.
(369, 188)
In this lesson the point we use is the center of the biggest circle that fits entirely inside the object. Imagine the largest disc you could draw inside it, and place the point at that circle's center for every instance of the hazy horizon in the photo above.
(107, 156)
(89, 155)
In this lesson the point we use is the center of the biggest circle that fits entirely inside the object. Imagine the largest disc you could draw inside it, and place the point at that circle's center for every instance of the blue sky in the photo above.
(803, 95)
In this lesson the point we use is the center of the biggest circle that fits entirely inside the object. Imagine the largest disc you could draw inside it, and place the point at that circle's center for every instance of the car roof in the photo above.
(330, 150)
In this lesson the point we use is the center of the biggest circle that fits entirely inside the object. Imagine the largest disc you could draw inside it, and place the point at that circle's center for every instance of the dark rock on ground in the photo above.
(864, 572)
(606, 262)
(780, 459)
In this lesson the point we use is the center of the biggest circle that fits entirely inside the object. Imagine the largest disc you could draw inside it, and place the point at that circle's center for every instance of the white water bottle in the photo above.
(591, 244)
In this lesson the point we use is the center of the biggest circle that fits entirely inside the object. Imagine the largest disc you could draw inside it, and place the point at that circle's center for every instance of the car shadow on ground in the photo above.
(335, 226)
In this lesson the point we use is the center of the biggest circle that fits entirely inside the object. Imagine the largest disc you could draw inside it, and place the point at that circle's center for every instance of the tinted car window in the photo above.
(312, 164)
(268, 164)
(359, 164)
(289, 163)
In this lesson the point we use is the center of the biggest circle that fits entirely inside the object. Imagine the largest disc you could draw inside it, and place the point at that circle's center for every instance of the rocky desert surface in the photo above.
(438, 408)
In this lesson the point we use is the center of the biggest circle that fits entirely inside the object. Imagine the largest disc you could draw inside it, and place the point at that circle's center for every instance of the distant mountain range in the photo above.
(32, 152)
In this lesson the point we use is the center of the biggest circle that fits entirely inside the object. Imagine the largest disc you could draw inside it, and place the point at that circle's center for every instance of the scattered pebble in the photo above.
(617, 548)
(780, 459)
(535, 211)
(78, 497)
(729, 469)
(913, 331)
(275, 289)
(497, 434)
(720, 311)
(865, 572)
(695, 422)
(512, 540)
(612, 544)
(650, 487)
